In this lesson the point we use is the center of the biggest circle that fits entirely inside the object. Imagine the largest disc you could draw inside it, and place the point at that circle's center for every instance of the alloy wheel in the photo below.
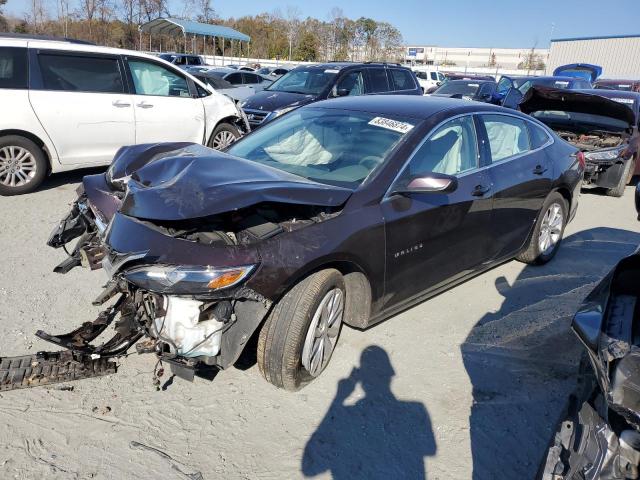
(17, 166)
(223, 139)
(322, 335)
(551, 228)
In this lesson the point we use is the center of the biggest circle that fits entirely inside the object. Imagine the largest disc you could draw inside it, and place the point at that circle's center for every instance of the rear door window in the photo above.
(508, 136)
(13, 67)
(537, 135)
(378, 80)
(351, 84)
(80, 73)
(251, 78)
(234, 78)
(402, 79)
(434, 76)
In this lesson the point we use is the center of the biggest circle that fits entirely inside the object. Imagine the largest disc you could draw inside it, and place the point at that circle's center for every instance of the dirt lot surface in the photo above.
(468, 384)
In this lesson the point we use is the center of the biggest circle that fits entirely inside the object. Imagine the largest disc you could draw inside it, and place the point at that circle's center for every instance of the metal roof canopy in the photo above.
(173, 26)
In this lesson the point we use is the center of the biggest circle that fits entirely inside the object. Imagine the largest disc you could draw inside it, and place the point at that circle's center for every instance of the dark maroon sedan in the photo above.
(344, 211)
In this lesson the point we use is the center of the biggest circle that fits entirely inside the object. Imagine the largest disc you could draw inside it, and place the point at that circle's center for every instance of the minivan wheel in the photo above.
(23, 165)
(547, 233)
(223, 136)
(300, 334)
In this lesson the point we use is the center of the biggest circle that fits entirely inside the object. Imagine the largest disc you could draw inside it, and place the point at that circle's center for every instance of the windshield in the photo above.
(307, 81)
(455, 87)
(580, 121)
(337, 147)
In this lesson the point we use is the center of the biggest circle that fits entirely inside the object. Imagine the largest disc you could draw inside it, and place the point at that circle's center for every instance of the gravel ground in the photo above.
(468, 384)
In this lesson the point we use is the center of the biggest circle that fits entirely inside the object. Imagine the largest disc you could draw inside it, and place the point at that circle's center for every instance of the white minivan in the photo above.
(69, 105)
(428, 78)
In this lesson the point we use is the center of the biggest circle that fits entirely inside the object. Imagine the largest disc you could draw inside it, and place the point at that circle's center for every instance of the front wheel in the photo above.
(23, 165)
(298, 338)
(223, 136)
(547, 232)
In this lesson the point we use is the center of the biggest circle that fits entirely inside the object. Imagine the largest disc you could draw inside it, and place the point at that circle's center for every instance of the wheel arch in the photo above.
(35, 139)
(232, 120)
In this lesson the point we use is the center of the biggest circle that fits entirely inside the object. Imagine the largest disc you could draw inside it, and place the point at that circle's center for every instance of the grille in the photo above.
(256, 117)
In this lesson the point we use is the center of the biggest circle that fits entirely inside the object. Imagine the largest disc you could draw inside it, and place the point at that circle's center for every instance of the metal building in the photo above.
(619, 56)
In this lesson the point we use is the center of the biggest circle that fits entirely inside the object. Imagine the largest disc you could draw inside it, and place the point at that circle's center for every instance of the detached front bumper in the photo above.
(604, 173)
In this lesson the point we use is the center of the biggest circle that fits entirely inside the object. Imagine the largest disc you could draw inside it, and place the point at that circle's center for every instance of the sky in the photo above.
(456, 23)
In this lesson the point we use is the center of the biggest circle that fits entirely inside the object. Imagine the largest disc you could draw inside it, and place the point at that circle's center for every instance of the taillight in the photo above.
(580, 157)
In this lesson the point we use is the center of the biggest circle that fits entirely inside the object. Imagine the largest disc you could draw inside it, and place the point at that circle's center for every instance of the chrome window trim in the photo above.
(537, 123)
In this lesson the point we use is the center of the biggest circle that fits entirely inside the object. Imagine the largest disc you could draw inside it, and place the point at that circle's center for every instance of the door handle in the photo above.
(144, 105)
(539, 170)
(480, 190)
(120, 104)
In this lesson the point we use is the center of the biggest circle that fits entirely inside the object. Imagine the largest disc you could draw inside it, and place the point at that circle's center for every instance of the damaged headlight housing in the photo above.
(185, 280)
(610, 154)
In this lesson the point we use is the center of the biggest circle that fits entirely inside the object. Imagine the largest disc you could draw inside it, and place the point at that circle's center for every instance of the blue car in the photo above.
(575, 76)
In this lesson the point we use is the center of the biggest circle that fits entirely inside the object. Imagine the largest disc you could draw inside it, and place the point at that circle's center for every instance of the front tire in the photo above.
(223, 136)
(298, 338)
(625, 179)
(547, 232)
(23, 165)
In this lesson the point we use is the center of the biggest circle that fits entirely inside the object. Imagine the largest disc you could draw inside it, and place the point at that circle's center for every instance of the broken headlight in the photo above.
(610, 154)
(186, 280)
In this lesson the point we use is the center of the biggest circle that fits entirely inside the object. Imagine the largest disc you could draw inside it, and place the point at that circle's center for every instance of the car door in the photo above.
(350, 84)
(521, 174)
(81, 101)
(166, 110)
(434, 238)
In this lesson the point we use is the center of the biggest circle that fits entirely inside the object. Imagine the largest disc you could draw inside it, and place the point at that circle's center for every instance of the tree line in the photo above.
(278, 35)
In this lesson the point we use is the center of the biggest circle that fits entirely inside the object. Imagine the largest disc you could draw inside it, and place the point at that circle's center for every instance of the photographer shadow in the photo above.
(522, 360)
(378, 436)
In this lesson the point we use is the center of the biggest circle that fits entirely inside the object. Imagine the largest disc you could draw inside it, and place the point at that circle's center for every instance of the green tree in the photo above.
(307, 49)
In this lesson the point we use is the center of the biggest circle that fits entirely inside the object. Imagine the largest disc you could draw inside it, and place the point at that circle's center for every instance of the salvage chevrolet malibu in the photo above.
(343, 211)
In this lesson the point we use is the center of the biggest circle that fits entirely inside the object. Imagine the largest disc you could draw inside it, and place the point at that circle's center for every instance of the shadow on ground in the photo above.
(58, 179)
(522, 360)
(378, 436)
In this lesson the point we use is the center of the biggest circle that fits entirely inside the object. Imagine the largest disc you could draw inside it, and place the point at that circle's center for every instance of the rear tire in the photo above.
(294, 326)
(625, 179)
(223, 136)
(23, 165)
(549, 226)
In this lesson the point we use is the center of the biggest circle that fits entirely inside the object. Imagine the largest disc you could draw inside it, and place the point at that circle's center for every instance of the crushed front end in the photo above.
(600, 436)
(179, 242)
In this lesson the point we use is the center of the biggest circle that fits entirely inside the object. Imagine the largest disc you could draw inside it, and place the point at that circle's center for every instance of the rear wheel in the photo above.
(23, 165)
(298, 338)
(547, 232)
(223, 136)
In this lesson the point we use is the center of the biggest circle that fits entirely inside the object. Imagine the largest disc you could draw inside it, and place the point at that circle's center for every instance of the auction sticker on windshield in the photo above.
(389, 124)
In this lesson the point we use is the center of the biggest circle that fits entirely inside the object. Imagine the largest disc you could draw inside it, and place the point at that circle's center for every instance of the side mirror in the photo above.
(339, 92)
(512, 99)
(428, 183)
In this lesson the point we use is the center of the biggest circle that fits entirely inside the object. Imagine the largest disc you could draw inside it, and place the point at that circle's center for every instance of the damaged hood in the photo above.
(540, 98)
(195, 182)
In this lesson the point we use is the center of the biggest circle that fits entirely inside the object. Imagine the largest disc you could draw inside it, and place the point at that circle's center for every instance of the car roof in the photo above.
(413, 106)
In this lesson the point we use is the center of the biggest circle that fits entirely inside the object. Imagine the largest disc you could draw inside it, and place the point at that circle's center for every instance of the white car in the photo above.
(428, 78)
(69, 105)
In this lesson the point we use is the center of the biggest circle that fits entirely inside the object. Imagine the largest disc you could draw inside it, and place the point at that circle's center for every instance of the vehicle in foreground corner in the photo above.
(478, 90)
(73, 105)
(204, 249)
(599, 436)
(603, 124)
(311, 83)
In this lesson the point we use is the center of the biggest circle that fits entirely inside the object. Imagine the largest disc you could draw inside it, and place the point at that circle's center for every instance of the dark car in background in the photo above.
(479, 90)
(344, 211)
(240, 77)
(598, 438)
(622, 85)
(524, 83)
(184, 60)
(603, 124)
(311, 83)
